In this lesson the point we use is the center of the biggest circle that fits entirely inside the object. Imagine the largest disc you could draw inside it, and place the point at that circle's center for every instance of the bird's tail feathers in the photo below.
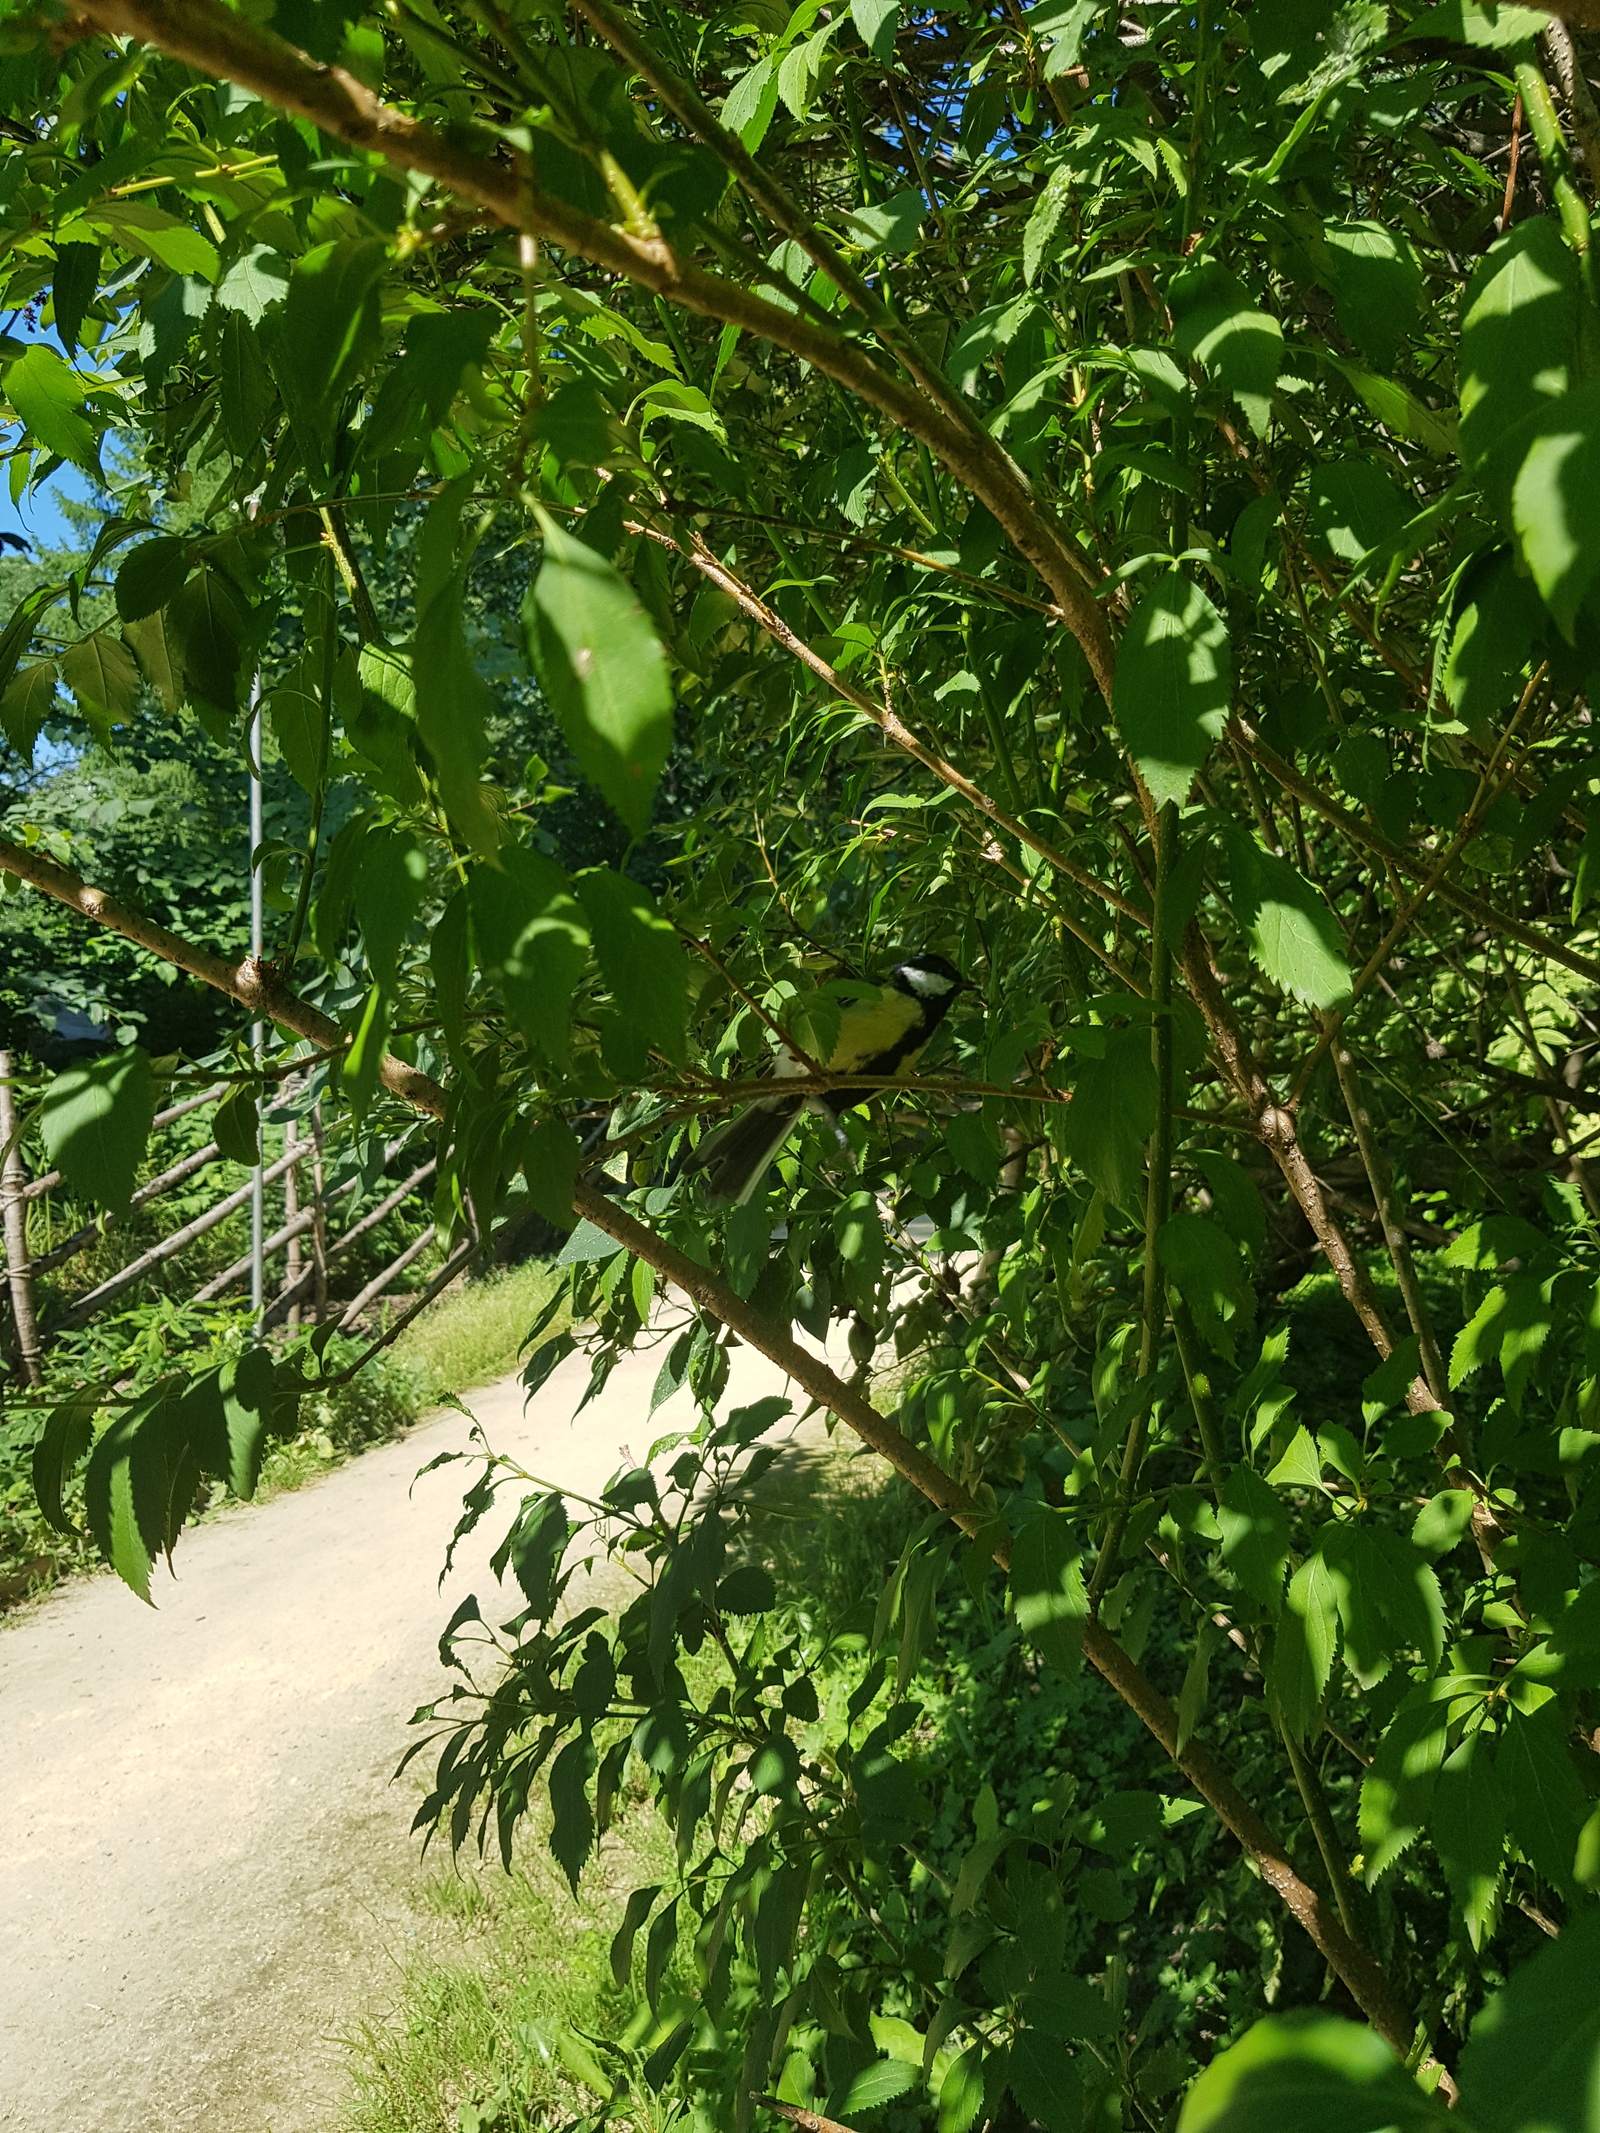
(739, 1154)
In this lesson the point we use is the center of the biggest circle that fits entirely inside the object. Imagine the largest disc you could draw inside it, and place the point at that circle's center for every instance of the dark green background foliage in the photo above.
(1108, 496)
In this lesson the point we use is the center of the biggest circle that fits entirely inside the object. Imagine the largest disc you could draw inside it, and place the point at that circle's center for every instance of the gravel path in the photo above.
(204, 1865)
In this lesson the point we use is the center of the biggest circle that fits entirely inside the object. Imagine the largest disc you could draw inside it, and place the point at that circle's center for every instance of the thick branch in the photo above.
(218, 42)
(1367, 1983)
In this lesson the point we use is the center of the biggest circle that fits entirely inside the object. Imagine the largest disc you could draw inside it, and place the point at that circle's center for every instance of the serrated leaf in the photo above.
(1172, 685)
(150, 575)
(876, 22)
(1303, 1647)
(1255, 1536)
(1309, 2070)
(878, 2084)
(95, 1120)
(572, 1824)
(1292, 932)
(254, 283)
(48, 396)
(1555, 504)
(1533, 2058)
(532, 942)
(101, 674)
(1048, 1595)
(1468, 1828)
(28, 701)
(643, 963)
(603, 669)
(1546, 1805)
(1397, 1791)
(153, 648)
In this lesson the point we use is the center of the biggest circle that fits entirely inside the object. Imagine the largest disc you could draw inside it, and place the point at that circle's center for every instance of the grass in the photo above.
(469, 1337)
(474, 2042)
(474, 1334)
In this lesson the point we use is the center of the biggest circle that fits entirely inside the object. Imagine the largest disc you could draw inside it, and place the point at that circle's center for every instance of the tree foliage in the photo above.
(1104, 494)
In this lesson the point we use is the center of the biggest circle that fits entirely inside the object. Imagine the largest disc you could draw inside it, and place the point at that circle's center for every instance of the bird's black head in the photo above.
(932, 983)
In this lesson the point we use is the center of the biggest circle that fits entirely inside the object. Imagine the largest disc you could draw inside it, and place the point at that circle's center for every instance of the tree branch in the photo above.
(218, 42)
(256, 986)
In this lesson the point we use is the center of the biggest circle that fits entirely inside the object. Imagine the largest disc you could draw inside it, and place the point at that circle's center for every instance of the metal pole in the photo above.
(258, 1030)
(19, 1274)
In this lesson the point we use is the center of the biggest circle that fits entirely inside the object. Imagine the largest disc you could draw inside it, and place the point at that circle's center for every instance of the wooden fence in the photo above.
(303, 1238)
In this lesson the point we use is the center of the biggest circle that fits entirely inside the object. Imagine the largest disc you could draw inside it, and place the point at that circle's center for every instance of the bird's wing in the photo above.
(875, 1029)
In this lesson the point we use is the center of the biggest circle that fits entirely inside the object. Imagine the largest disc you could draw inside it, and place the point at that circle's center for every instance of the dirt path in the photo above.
(204, 1865)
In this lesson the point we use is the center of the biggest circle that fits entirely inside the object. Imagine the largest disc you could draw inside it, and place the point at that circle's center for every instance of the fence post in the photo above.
(292, 1265)
(319, 1226)
(19, 1273)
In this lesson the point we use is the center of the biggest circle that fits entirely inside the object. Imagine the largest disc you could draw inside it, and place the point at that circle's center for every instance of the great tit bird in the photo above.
(879, 1036)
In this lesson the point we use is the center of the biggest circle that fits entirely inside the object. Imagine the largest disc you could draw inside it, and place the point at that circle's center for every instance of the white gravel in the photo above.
(204, 1864)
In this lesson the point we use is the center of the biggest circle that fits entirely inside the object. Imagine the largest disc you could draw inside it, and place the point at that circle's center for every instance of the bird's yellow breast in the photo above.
(872, 1027)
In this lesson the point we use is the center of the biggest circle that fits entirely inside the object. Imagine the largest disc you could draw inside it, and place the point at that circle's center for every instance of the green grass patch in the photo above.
(474, 2042)
(474, 1334)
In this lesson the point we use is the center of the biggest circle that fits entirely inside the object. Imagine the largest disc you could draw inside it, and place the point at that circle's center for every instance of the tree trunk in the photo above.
(19, 1273)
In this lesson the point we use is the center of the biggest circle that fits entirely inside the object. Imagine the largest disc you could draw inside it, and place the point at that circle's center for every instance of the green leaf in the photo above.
(1547, 1806)
(1352, 507)
(1532, 2062)
(326, 332)
(151, 575)
(1255, 1536)
(1293, 935)
(751, 103)
(1397, 1791)
(1196, 1684)
(604, 672)
(572, 1823)
(101, 674)
(153, 648)
(550, 1165)
(207, 619)
(1112, 1115)
(1487, 24)
(637, 1911)
(76, 284)
(1172, 686)
(391, 881)
(440, 347)
(643, 964)
(1303, 1646)
(1045, 2081)
(144, 228)
(878, 2084)
(1206, 1270)
(876, 22)
(245, 391)
(1241, 347)
(48, 396)
(1377, 285)
(95, 1121)
(1555, 504)
(532, 941)
(1311, 2071)
(1443, 1522)
(127, 1491)
(1048, 1595)
(1468, 1828)
(254, 283)
(236, 1127)
(1518, 348)
(534, 1548)
(29, 700)
(891, 225)
(1389, 1598)
(65, 1438)
(453, 709)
